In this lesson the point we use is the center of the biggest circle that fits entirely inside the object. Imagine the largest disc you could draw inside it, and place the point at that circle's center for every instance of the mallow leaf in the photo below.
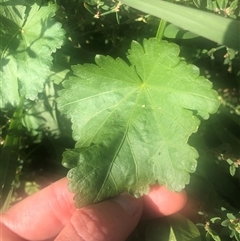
(29, 35)
(131, 122)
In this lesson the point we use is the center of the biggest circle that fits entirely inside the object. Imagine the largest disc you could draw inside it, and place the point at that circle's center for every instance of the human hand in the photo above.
(50, 214)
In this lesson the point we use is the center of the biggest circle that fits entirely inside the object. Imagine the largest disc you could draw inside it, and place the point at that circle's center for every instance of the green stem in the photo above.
(213, 50)
(161, 28)
(9, 154)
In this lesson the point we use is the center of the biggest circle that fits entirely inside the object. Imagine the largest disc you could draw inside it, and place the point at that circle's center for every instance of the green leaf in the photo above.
(9, 155)
(182, 229)
(41, 117)
(225, 223)
(215, 219)
(222, 4)
(172, 31)
(233, 5)
(29, 35)
(232, 169)
(231, 216)
(132, 123)
(221, 30)
(173, 228)
(229, 161)
(214, 236)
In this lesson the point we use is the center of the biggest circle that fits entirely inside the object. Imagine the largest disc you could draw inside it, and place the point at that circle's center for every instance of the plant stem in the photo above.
(161, 28)
(9, 154)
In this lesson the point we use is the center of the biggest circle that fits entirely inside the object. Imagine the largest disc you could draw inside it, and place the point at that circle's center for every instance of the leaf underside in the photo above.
(131, 122)
(29, 35)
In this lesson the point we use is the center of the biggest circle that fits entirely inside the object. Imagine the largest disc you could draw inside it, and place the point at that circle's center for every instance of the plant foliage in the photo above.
(29, 36)
(221, 30)
(132, 122)
(180, 228)
(132, 118)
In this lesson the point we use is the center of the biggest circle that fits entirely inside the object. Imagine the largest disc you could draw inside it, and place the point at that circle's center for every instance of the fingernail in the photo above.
(128, 203)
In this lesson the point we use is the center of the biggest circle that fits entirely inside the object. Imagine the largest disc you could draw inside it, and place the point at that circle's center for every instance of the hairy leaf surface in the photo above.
(29, 34)
(132, 121)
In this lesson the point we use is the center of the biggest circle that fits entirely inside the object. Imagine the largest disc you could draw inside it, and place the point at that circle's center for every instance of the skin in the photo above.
(50, 214)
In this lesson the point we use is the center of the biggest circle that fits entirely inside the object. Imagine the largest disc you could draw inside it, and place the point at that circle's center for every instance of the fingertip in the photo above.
(129, 204)
(112, 219)
(162, 202)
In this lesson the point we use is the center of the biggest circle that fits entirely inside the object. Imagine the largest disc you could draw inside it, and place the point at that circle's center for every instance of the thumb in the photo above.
(111, 220)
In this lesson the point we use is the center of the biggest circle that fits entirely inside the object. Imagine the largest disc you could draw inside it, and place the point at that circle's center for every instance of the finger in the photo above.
(7, 235)
(42, 215)
(53, 207)
(111, 220)
(162, 202)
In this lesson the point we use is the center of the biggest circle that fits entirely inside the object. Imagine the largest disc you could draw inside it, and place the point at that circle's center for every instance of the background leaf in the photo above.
(132, 123)
(172, 228)
(42, 115)
(182, 229)
(221, 30)
(30, 35)
(172, 31)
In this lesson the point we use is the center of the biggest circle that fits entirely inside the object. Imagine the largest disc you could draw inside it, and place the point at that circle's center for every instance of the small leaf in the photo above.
(213, 220)
(232, 227)
(232, 169)
(231, 216)
(182, 228)
(233, 5)
(210, 5)
(222, 4)
(212, 234)
(132, 123)
(225, 223)
(229, 161)
(172, 228)
(215, 236)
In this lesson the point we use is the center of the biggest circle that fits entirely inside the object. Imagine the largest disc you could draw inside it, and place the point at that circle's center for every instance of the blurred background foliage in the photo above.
(108, 27)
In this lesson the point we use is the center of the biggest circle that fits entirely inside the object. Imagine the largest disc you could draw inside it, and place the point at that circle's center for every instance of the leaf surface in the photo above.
(173, 228)
(132, 121)
(29, 35)
(173, 31)
(182, 229)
